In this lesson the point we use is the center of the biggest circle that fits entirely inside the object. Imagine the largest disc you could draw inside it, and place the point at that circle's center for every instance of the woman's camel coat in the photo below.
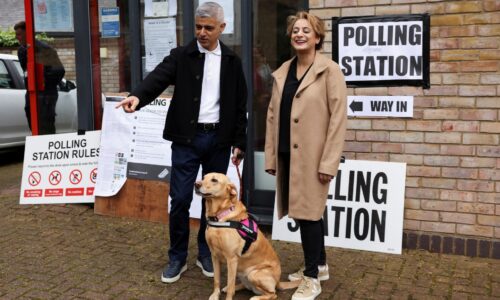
(317, 133)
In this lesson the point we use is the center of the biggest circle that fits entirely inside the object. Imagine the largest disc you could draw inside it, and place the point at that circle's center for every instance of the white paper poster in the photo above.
(60, 168)
(364, 210)
(53, 15)
(159, 38)
(160, 8)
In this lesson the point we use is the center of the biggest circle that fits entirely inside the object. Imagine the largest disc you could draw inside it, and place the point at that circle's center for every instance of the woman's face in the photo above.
(303, 37)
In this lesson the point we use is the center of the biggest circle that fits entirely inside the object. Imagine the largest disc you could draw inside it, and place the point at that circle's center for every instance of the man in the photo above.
(49, 64)
(207, 116)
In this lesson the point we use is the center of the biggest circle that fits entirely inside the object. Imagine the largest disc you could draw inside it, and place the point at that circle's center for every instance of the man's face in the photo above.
(208, 31)
(21, 36)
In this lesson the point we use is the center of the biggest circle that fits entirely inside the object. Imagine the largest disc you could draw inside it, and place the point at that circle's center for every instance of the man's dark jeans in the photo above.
(186, 161)
(46, 112)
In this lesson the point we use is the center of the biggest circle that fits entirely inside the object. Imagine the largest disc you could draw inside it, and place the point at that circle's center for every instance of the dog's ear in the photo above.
(232, 190)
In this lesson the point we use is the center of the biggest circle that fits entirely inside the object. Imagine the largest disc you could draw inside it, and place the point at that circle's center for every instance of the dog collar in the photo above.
(225, 212)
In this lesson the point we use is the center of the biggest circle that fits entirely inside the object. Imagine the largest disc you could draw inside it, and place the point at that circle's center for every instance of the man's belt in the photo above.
(208, 126)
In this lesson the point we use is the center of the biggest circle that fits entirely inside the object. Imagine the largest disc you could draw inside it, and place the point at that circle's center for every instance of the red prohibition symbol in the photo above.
(34, 178)
(55, 177)
(93, 175)
(75, 176)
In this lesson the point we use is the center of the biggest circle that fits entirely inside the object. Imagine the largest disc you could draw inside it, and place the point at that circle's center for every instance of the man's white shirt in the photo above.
(210, 87)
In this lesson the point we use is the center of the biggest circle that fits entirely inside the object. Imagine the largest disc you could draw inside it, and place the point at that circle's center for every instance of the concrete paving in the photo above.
(68, 252)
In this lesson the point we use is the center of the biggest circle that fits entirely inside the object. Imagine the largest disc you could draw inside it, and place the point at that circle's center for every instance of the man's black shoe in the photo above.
(205, 264)
(173, 271)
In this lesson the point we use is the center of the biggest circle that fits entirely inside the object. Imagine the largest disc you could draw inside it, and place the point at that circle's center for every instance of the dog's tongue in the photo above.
(225, 212)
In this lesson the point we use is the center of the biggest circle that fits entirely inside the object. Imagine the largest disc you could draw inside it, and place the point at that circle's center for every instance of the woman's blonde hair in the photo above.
(316, 23)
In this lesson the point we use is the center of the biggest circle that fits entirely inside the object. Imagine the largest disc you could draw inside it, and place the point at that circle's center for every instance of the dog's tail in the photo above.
(286, 285)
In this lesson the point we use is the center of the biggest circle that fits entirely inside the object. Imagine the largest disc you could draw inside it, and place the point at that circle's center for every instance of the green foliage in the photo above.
(8, 38)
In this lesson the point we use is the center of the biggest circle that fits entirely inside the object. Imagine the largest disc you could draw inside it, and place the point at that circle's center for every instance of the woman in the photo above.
(306, 125)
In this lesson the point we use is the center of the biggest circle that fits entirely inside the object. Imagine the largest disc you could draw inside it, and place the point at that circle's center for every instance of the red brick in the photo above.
(437, 227)
(457, 31)
(489, 174)
(445, 20)
(357, 147)
(430, 8)
(457, 150)
(371, 91)
(442, 90)
(435, 55)
(488, 198)
(478, 66)
(407, 137)
(475, 162)
(441, 114)
(421, 215)
(439, 183)
(489, 30)
(490, 79)
(412, 182)
(475, 185)
(479, 208)
(461, 218)
(489, 54)
(475, 230)
(340, 3)
(421, 149)
(485, 18)
(359, 124)
(444, 67)
(422, 193)
(438, 205)
(467, 126)
(379, 136)
(438, 160)
(417, 125)
(388, 124)
(373, 156)
(443, 138)
(493, 127)
(478, 114)
(405, 90)
(488, 220)
(444, 43)
(464, 78)
(459, 55)
(474, 90)
(480, 139)
(426, 101)
(407, 158)
(456, 102)
(412, 203)
(463, 7)
(411, 224)
(491, 5)
(392, 9)
(478, 43)
(350, 135)
(488, 151)
(457, 195)
(459, 173)
(355, 11)
(423, 171)
(387, 147)
(488, 102)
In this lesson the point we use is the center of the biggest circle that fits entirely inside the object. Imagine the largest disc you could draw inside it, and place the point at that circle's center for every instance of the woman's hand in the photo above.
(271, 171)
(325, 178)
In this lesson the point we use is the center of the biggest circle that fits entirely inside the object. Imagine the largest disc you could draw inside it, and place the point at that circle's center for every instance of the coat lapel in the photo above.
(280, 75)
(319, 65)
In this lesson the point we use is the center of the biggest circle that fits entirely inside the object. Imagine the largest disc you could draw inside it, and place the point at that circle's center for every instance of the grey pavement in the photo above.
(68, 252)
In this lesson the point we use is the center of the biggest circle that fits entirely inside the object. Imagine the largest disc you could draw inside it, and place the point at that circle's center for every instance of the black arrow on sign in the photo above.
(356, 106)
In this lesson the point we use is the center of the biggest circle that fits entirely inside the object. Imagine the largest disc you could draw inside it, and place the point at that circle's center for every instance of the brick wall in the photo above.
(452, 144)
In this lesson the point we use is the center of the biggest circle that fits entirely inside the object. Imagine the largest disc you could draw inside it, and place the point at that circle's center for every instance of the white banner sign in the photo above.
(364, 210)
(380, 106)
(60, 168)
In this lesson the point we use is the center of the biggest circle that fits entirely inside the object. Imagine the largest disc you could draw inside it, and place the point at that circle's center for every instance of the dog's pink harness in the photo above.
(246, 228)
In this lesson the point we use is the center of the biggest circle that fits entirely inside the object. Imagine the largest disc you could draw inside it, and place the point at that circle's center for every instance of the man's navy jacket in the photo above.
(184, 69)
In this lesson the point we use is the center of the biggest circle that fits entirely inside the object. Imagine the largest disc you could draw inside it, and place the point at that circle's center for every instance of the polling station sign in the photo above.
(60, 168)
(388, 50)
(380, 106)
(364, 210)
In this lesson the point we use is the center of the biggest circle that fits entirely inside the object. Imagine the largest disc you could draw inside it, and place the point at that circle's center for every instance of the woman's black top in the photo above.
(289, 90)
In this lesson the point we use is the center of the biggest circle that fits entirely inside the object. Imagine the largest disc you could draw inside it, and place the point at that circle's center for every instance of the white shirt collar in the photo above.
(216, 51)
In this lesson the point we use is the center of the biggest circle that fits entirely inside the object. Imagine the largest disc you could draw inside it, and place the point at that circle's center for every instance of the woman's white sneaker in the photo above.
(323, 274)
(309, 289)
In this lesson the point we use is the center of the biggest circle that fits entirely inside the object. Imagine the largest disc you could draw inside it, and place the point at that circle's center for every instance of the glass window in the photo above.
(6, 81)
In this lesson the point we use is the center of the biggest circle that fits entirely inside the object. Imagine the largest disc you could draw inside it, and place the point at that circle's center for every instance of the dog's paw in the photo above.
(224, 289)
(214, 296)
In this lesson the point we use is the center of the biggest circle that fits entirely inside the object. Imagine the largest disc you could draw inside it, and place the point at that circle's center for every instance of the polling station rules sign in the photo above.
(383, 50)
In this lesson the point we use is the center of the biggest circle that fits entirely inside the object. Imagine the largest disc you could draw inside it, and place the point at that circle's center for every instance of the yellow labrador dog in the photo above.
(234, 238)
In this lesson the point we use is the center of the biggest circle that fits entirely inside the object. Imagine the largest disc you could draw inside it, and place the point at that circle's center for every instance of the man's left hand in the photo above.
(237, 156)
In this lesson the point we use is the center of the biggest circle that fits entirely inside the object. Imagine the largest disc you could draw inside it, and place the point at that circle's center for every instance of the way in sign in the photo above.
(387, 106)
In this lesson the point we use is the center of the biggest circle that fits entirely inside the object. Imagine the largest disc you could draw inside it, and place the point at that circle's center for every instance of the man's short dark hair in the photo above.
(20, 25)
